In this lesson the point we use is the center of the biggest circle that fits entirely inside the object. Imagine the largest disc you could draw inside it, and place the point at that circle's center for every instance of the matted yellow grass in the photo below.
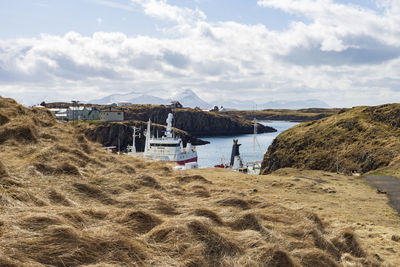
(64, 201)
(341, 201)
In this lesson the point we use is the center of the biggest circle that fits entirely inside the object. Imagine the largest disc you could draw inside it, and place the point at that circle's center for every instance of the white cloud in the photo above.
(339, 52)
(99, 20)
(333, 23)
(160, 9)
(114, 4)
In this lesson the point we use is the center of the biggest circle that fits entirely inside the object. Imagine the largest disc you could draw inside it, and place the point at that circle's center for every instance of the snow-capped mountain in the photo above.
(188, 98)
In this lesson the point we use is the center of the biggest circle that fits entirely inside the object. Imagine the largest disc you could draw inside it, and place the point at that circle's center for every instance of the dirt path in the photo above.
(390, 185)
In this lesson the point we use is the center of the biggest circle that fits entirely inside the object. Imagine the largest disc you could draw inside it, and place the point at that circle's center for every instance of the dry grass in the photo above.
(66, 202)
(3, 171)
(354, 226)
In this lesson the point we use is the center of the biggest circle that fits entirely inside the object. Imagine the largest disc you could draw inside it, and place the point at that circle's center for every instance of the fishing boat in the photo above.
(167, 148)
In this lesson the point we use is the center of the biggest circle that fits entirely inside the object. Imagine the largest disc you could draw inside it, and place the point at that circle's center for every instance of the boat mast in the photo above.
(254, 139)
(147, 144)
(133, 150)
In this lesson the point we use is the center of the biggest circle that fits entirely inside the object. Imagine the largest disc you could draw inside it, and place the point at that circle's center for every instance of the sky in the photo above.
(345, 53)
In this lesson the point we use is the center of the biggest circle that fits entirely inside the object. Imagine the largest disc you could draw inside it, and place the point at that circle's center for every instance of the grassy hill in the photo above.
(66, 202)
(358, 140)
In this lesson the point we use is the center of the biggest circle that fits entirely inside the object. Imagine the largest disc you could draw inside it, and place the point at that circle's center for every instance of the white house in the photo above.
(60, 113)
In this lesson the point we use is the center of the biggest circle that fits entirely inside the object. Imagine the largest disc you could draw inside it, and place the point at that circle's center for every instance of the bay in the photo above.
(220, 148)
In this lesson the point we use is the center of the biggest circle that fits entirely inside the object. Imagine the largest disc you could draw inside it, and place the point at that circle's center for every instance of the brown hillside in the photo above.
(66, 202)
(359, 140)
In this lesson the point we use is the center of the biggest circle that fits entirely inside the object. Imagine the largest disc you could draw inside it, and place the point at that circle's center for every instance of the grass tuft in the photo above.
(140, 221)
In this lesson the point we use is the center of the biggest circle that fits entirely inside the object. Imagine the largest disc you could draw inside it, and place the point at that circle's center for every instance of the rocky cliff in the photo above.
(358, 140)
(195, 122)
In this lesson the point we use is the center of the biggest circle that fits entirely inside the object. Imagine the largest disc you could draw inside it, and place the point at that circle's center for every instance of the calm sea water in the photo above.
(221, 147)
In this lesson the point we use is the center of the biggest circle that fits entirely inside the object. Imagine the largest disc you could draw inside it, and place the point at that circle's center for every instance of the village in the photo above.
(112, 112)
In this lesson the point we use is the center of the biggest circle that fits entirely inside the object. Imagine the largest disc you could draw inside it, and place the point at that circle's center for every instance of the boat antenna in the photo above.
(133, 149)
(254, 139)
(147, 143)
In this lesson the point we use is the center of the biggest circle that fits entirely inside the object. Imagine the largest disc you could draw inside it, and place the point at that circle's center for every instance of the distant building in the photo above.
(176, 104)
(74, 113)
(111, 115)
(215, 109)
(124, 104)
(90, 114)
(60, 113)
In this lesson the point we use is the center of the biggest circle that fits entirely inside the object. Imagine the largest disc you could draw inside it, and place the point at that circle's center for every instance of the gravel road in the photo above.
(390, 185)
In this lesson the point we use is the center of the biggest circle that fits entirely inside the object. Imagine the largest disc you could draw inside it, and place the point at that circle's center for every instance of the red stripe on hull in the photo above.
(182, 162)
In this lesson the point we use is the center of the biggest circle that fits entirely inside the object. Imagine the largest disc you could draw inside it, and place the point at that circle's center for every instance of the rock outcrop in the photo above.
(358, 140)
(195, 122)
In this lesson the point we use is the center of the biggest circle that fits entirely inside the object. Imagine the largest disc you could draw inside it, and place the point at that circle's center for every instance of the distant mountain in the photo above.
(251, 105)
(132, 97)
(149, 99)
(310, 103)
(188, 98)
